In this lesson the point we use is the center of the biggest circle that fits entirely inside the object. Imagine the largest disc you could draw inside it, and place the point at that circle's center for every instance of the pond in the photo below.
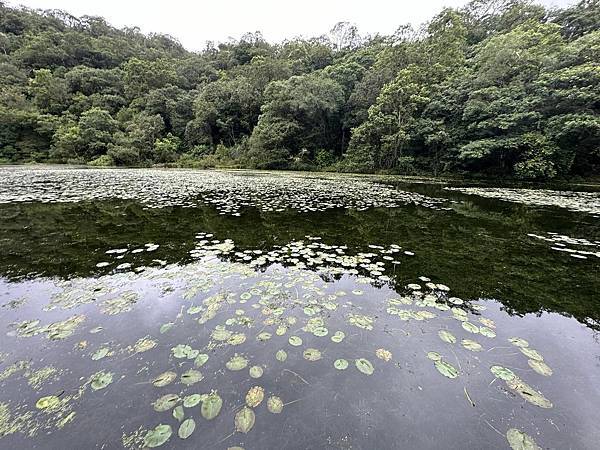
(144, 308)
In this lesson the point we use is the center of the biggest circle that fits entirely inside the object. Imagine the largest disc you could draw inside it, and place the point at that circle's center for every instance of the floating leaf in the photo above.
(364, 366)
(281, 355)
(191, 377)
(446, 369)
(519, 342)
(244, 420)
(48, 402)
(274, 404)
(166, 327)
(181, 351)
(320, 331)
(502, 372)
(340, 364)
(295, 341)
(190, 401)
(311, 354)
(383, 354)
(471, 328)
(237, 362)
(264, 336)
(528, 393)
(434, 356)
(520, 441)
(338, 337)
(164, 379)
(100, 380)
(200, 359)
(471, 345)
(158, 436)
(178, 413)
(186, 428)
(100, 353)
(256, 371)
(540, 367)
(446, 336)
(487, 332)
(166, 402)
(531, 353)
(254, 396)
(211, 406)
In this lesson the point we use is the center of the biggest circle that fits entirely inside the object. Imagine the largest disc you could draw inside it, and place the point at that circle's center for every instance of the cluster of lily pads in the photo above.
(285, 300)
(227, 191)
(588, 202)
(562, 243)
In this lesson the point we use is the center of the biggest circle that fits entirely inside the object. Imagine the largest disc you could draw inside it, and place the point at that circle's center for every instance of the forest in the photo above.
(498, 88)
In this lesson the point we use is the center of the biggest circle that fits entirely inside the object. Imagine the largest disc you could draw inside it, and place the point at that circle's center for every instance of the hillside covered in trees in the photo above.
(497, 88)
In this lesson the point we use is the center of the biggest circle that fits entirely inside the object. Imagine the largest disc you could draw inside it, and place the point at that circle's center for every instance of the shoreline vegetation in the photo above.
(498, 89)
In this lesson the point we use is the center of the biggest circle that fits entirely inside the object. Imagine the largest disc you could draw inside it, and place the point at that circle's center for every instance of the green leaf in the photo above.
(520, 441)
(164, 379)
(274, 404)
(364, 366)
(166, 402)
(446, 369)
(211, 406)
(340, 364)
(244, 420)
(186, 428)
(158, 436)
(178, 413)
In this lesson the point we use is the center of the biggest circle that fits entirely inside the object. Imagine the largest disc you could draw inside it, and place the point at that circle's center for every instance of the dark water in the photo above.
(485, 250)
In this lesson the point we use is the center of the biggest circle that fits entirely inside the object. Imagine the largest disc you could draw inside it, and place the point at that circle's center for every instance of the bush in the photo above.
(102, 161)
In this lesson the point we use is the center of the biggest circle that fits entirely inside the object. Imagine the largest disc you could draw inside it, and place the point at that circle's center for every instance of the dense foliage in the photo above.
(499, 87)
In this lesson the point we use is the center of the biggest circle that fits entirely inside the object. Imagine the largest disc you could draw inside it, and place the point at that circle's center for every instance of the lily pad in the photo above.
(211, 406)
(281, 355)
(274, 404)
(531, 353)
(540, 367)
(237, 362)
(520, 441)
(471, 345)
(244, 420)
(528, 393)
(446, 336)
(295, 341)
(100, 380)
(48, 402)
(519, 342)
(340, 364)
(338, 337)
(471, 328)
(166, 402)
(100, 353)
(255, 396)
(192, 400)
(158, 436)
(383, 354)
(311, 354)
(503, 373)
(256, 371)
(191, 377)
(186, 428)
(446, 369)
(364, 366)
(178, 413)
(434, 356)
(201, 359)
(164, 379)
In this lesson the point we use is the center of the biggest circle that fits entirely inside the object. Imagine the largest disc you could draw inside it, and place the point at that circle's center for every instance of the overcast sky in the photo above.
(194, 22)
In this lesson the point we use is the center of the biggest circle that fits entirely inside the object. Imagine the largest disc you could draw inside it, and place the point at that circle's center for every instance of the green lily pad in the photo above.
(446, 336)
(320, 331)
(166, 402)
(540, 367)
(311, 354)
(434, 356)
(471, 328)
(211, 406)
(201, 359)
(446, 369)
(471, 345)
(100, 353)
(164, 379)
(186, 428)
(338, 337)
(503, 373)
(340, 364)
(520, 441)
(244, 420)
(166, 327)
(519, 342)
(191, 377)
(487, 332)
(281, 355)
(528, 393)
(100, 380)
(531, 353)
(192, 400)
(178, 413)
(274, 404)
(295, 341)
(256, 371)
(364, 366)
(255, 396)
(264, 336)
(237, 362)
(48, 402)
(158, 436)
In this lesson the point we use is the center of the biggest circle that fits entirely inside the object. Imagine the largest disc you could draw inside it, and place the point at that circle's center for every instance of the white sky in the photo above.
(194, 22)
